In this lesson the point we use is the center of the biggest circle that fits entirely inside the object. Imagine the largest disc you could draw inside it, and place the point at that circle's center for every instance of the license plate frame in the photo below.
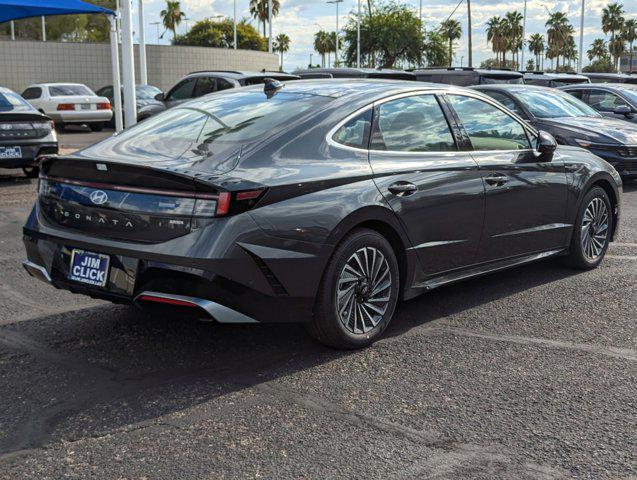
(7, 153)
(90, 268)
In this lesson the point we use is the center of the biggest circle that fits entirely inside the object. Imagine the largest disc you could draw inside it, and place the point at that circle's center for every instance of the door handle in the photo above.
(402, 189)
(497, 179)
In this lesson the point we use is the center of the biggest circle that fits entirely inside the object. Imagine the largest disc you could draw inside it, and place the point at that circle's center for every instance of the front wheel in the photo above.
(592, 231)
(358, 292)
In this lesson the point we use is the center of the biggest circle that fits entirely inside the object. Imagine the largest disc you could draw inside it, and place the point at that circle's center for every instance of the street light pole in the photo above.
(336, 49)
(523, 65)
(43, 29)
(358, 36)
(270, 26)
(469, 36)
(581, 39)
(235, 25)
(12, 30)
(143, 74)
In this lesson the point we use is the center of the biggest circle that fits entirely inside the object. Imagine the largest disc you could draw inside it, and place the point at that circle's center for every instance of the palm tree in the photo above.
(557, 41)
(497, 37)
(514, 27)
(598, 50)
(451, 30)
(281, 45)
(630, 35)
(259, 10)
(321, 45)
(536, 46)
(613, 23)
(172, 16)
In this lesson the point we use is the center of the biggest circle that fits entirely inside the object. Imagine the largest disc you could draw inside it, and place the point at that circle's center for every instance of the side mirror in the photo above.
(546, 145)
(624, 110)
(160, 96)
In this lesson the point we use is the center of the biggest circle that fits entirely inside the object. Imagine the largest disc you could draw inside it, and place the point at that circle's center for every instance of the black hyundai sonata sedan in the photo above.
(315, 202)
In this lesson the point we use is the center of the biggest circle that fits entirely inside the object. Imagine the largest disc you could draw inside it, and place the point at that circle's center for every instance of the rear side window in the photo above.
(355, 132)
(603, 101)
(69, 90)
(182, 90)
(506, 101)
(412, 124)
(31, 93)
(488, 127)
(205, 85)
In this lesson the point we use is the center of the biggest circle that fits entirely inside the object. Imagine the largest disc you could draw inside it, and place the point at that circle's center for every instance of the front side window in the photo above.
(31, 93)
(355, 132)
(488, 127)
(544, 103)
(182, 90)
(506, 101)
(412, 124)
(204, 86)
(70, 90)
(605, 101)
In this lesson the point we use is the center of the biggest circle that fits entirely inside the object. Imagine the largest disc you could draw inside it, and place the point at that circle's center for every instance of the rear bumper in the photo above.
(30, 152)
(79, 116)
(225, 278)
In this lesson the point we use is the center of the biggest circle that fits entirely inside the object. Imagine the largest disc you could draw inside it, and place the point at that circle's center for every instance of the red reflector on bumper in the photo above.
(169, 301)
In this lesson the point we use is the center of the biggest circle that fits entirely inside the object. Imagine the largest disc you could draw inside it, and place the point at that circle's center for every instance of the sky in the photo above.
(301, 19)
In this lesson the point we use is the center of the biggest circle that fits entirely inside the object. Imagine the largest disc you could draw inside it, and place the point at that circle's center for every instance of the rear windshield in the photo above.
(569, 81)
(490, 80)
(69, 90)
(146, 92)
(12, 102)
(217, 121)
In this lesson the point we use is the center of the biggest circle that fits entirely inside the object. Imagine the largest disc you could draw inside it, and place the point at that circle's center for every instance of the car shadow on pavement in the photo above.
(97, 370)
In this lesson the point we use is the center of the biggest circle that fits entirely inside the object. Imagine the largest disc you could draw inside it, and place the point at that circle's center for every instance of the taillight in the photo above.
(104, 106)
(66, 106)
(232, 203)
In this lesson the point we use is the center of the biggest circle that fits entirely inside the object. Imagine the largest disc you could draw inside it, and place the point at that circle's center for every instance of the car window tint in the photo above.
(545, 103)
(223, 84)
(182, 90)
(69, 90)
(605, 101)
(576, 93)
(355, 132)
(506, 101)
(488, 127)
(412, 124)
(31, 93)
(204, 86)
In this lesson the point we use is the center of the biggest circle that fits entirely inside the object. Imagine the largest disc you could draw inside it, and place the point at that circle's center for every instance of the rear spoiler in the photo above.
(22, 117)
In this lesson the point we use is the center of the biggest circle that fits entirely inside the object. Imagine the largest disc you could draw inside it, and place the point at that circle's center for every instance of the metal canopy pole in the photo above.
(43, 29)
(143, 74)
(270, 26)
(128, 66)
(523, 65)
(234, 33)
(581, 40)
(117, 86)
(358, 36)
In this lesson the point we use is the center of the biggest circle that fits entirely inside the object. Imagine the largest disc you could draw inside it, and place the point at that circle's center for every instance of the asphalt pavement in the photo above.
(525, 374)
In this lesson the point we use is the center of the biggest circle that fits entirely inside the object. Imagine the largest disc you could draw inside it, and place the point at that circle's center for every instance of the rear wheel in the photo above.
(31, 172)
(592, 230)
(358, 292)
(97, 127)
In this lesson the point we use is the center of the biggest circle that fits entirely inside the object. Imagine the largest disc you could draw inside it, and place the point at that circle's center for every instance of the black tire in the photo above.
(96, 127)
(31, 172)
(326, 325)
(578, 257)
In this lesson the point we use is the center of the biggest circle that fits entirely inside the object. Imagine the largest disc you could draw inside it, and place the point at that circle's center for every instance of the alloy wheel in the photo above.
(363, 290)
(594, 229)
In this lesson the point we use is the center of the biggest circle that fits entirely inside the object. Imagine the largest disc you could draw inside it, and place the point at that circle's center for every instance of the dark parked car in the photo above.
(320, 202)
(554, 80)
(572, 122)
(465, 77)
(611, 78)
(347, 72)
(145, 95)
(198, 84)
(25, 134)
(613, 100)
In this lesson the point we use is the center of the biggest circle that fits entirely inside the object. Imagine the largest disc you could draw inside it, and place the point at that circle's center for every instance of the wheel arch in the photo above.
(606, 182)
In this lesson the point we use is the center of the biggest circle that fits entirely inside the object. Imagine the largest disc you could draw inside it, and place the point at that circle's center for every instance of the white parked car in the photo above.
(69, 103)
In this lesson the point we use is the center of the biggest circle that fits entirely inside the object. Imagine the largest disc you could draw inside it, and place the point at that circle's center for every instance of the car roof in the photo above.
(353, 71)
(6, 90)
(552, 76)
(55, 84)
(468, 71)
(240, 74)
(601, 86)
(511, 87)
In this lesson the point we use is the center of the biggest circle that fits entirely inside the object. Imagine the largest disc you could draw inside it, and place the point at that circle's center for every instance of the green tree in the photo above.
(613, 23)
(390, 36)
(559, 36)
(220, 34)
(435, 49)
(630, 35)
(172, 16)
(321, 45)
(536, 47)
(451, 31)
(497, 36)
(259, 11)
(598, 50)
(281, 45)
(514, 33)
(530, 65)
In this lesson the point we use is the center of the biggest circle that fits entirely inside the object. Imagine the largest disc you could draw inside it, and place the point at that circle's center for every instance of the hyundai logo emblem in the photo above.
(99, 197)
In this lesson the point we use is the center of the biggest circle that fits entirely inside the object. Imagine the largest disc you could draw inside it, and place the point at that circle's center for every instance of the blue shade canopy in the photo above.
(15, 9)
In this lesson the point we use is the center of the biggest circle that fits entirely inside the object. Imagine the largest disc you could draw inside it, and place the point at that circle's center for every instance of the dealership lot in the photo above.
(531, 373)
